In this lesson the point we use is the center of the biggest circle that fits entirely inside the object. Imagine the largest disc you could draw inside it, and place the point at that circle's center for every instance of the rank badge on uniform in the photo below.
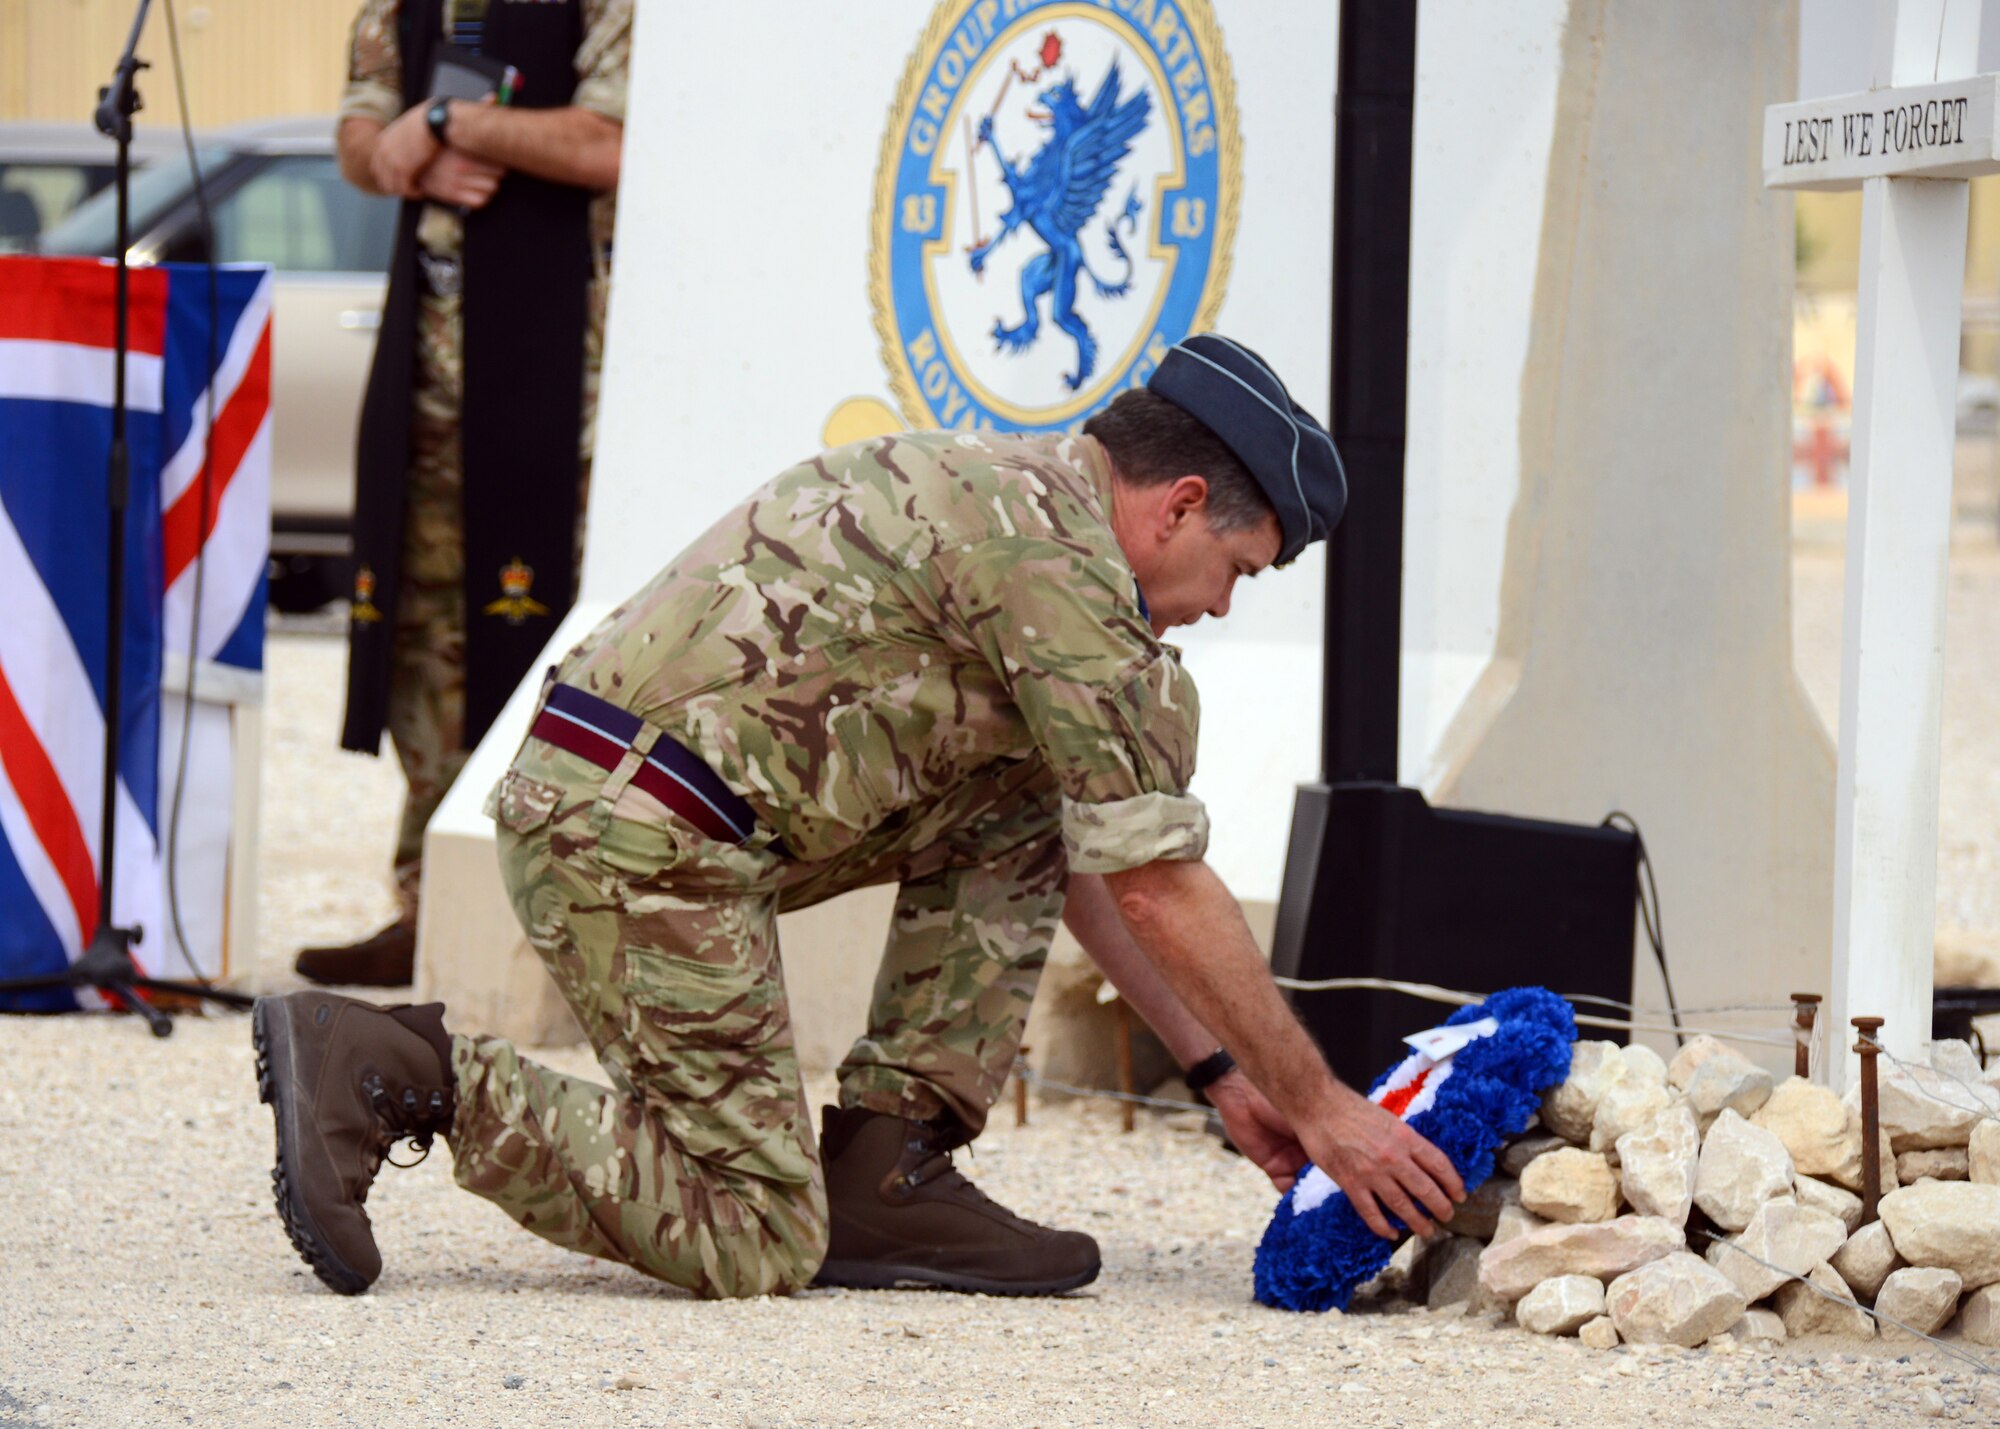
(1054, 206)
(517, 577)
(362, 609)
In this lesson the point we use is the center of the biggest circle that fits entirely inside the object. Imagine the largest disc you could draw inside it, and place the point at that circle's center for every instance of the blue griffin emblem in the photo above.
(1100, 142)
(1055, 196)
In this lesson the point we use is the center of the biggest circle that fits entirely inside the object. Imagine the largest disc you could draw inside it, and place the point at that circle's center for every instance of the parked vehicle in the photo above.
(276, 195)
(48, 169)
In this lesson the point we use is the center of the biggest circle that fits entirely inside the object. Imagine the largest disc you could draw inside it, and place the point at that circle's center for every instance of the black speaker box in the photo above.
(1380, 884)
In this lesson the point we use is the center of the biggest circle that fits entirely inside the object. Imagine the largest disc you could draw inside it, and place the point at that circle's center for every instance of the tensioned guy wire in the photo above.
(1816, 1054)
(1433, 993)
(1980, 1107)
(1953, 1350)
(1035, 1079)
(1727, 1007)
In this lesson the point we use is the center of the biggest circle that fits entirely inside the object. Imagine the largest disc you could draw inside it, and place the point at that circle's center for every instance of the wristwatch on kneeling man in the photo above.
(1207, 1072)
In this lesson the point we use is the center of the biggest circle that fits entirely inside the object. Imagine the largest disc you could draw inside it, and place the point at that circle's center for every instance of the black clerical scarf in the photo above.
(527, 269)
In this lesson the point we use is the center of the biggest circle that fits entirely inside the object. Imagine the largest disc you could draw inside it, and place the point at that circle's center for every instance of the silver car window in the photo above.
(300, 216)
(91, 229)
(35, 193)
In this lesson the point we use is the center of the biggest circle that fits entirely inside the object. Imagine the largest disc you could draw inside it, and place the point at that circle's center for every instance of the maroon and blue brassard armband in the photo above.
(1465, 1087)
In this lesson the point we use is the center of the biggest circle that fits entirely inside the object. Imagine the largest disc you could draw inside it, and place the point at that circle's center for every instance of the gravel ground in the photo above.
(145, 1280)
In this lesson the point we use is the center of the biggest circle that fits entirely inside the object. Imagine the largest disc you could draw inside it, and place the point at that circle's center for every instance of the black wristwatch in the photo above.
(437, 116)
(1209, 1070)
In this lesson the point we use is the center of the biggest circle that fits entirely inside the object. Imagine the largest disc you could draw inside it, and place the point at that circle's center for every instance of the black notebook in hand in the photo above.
(459, 73)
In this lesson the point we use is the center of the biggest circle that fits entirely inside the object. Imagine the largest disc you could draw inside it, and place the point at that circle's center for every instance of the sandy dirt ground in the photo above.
(145, 1280)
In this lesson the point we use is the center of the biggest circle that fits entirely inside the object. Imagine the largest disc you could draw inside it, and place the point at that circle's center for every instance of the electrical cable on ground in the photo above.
(207, 508)
(1652, 917)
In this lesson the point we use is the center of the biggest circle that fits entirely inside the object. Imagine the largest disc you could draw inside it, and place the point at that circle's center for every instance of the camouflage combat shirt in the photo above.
(375, 91)
(893, 619)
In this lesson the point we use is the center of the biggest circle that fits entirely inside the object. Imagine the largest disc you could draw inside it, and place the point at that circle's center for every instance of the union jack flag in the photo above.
(57, 367)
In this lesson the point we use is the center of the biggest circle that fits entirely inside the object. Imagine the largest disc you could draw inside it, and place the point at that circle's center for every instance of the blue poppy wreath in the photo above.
(1467, 1087)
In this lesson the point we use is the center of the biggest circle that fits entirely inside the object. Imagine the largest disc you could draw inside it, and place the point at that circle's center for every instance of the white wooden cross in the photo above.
(1909, 144)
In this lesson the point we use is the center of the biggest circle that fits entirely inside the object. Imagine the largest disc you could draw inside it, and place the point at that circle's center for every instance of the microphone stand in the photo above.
(106, 965)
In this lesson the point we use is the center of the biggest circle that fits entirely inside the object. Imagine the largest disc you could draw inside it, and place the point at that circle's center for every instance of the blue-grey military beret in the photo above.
(1235, 394)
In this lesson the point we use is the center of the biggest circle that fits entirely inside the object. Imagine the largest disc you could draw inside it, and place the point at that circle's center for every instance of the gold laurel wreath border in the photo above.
(1229, 187)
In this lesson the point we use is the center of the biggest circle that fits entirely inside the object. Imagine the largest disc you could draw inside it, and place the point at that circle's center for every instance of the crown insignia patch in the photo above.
(362, 609)
(517, 578)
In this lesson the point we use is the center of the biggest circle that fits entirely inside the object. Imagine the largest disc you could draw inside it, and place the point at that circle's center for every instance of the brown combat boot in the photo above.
(384, 959)
(901, 1214)
(346, 1081)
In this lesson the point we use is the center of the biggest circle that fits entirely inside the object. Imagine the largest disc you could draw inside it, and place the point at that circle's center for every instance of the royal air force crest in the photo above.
(1054, 208)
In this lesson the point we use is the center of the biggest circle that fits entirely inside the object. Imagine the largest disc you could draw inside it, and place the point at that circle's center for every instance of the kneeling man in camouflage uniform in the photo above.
(931, 660)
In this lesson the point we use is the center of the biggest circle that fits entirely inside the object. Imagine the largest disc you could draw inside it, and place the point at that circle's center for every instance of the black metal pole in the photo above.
(1376, 881)
(118, 475)
(1374, 106)
(107, 961)
(1373, 109)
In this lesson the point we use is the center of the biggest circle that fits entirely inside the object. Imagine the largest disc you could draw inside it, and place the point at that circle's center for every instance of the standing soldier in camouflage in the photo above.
(932, 660)
(477, 429)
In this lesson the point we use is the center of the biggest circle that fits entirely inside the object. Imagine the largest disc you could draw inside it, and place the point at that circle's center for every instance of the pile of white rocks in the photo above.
(1603, 1222)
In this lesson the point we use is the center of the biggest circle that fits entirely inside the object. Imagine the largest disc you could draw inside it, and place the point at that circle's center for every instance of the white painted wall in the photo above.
(741, 313)
(1486, 93)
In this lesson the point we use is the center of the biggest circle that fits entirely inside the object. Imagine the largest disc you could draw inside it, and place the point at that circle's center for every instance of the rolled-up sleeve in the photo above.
(374, 66)
(604, 63)
(1109, 707)
(1145, 744)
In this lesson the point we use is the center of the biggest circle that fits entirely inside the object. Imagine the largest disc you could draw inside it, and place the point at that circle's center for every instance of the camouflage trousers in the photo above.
(426, 712)
(697, 1164)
